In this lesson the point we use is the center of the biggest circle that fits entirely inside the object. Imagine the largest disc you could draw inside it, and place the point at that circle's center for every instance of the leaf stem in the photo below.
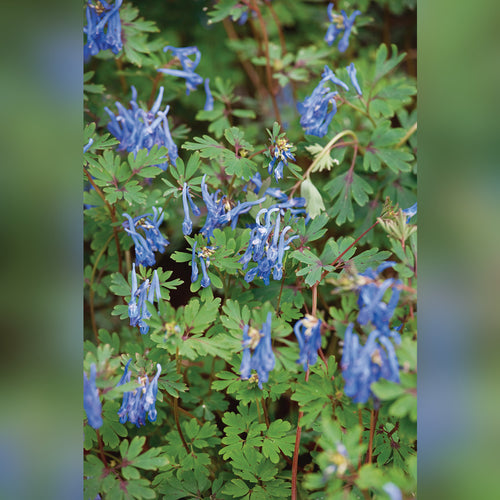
(373, 425)
(176, 404)
(295, 462)
(408, 134)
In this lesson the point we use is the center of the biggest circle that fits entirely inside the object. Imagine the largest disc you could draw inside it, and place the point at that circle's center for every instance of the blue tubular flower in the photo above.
(262, 360)
(137, 308)
(363, 365)
(102, 17)
(140, 401)
(409, 212)
(281, 153)
(194, 266)
(308, 333)
(188, 66)
(351, 71)
(91, 401)
(216, 212)
(209, 103)
(329, 75)
(315, 117)
(393, 491)
(138, 129)
(87, 147)
(154, 241)
(339, 24)
(205, 280)
(242, 208)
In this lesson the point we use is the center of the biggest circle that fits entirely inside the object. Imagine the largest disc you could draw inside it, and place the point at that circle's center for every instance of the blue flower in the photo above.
(91, 401)
(410, 212)
(87, 146)
(103, 28)
(363, 365)
(282, 154)
(308, 333)
(393, 491)
(216, 211)
(372, 308)
(262, 360)
(138, 129)
(137, 308)
(140, 401)
(315, 116)
(187, 225)
(339, 24)
(351, 70)
(153, 240)
(264, 248)
(209, 103)
(188, 66)
(204, 258)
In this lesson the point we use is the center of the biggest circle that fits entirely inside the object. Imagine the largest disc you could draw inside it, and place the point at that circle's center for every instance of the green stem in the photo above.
(408, 134)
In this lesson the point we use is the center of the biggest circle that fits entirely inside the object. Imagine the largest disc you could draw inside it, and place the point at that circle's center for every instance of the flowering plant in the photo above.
(251, 257)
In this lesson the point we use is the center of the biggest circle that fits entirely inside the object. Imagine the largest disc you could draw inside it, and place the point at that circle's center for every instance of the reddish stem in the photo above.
(373, 425)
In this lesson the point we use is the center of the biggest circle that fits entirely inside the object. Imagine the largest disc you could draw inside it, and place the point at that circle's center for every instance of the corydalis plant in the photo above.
(262, 360)
(138, 129)
(340, 24)
(91, 401)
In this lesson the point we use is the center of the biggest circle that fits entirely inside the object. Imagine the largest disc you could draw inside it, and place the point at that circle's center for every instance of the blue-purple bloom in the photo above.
(393, 491)
(282, 154)
(103, 28)
(188, 66)
(410, 212)
(140, 401)
(363, 365)
(315, 116)
(308, 333)
(91, 401)
(262, 360)
(209, 103)
(266, 247)
(339, 24)
(87, 146)
(204, 258)
(187, 225)
(137, 308)
(152, 241)
(138, 129)
(351, 71)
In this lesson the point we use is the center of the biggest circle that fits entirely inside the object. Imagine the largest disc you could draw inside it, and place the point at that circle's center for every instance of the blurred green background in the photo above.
(41, 199)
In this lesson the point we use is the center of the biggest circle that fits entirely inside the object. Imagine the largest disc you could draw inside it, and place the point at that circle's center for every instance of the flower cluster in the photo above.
(340, 24)
(140, 401)
(315, 116)
(363, 365)
(219, 212)
(138, 129)
(282, 154)
(262, 360)
(91, 401)
(308, 333)
(188, 66)
(204, 258)
(152, 241)
(137, 308)
(266, 247)
(104, 29)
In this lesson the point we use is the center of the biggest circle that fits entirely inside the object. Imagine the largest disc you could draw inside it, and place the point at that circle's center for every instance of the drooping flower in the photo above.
(410, 212)
(351, 71)
(138, 129)
(91, 401)
(315, 116)
(188, 66)
(153, 240)
(363, 365)
(187, 225)
(308, 333)
(372, 308)
(204, 258)
(340, 24)
(209, 103)
(137, 308)
(103, 28)
(87, 146)
(262, 360)
(393, 491)
(140, 401)
(281, 154)
(266, 247)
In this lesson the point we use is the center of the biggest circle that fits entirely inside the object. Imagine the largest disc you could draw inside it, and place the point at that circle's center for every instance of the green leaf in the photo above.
(314, 201)
(236, 488)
